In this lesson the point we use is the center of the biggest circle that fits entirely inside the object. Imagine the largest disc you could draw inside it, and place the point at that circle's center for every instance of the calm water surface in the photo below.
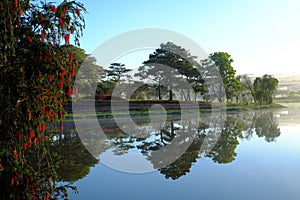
(256, 157)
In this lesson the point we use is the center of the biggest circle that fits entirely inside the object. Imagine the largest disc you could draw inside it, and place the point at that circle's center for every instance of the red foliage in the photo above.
(53, 8)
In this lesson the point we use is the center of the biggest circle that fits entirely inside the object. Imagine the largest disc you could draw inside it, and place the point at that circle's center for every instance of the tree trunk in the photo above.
(159, 91)
(172, 129)
(181, 94)
(171, 91)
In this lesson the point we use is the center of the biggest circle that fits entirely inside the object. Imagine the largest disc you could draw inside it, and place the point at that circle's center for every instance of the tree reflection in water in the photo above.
(75, 159)
(238, 126)
(51, 169)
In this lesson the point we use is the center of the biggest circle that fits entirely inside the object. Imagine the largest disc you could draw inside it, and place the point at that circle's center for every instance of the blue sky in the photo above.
(263, 36)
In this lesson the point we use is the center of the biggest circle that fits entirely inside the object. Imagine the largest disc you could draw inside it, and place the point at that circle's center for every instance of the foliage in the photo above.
(117, 71)
(112, 77)
(265, 88)
(223, 62)
(155, 73)
(248, 87)
(89, 75)
(105, 87)
(37, 71)
(147, 91)
(168, 66)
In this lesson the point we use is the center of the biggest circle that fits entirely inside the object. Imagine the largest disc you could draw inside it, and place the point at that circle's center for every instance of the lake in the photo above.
(228, 155)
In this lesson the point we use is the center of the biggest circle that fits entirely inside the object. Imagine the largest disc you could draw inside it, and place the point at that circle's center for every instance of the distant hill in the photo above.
(288, 89)
(289, 82)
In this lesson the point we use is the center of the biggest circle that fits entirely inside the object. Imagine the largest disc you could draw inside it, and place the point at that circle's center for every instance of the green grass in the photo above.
(145, 111)
(251, 106)
(288, 100)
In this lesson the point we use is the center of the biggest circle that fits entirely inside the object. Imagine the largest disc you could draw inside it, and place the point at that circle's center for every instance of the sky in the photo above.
(262, 36)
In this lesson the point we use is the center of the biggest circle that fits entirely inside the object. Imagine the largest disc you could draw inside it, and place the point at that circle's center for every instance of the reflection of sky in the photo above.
(133, 161)
(261, 170)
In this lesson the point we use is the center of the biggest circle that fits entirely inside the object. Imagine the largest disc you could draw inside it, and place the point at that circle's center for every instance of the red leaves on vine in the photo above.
(19, 136)
(43, 36)
(53, 8)
(71, 57)
(67, 38)
(15, 4)
(69, 91)
(59, 104)
(42, 138)
(29, 116)
(32, 190)
(27, 180)
(36, 141)
(46, 110)
(60, 115)
(20, 12)
(76, 91)
(64, 10)
(60, 22)
(77, 11)
(30, 142)
(42, 127)
(61, 128)
(62, 73)
(15, 154)
(35, 51)
(29, 39)
(61, 84)
(46, 56)
(31, 134)
(52, 114)
(12, 180)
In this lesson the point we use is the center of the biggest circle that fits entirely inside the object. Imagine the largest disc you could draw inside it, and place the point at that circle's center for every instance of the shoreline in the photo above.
(104, 108)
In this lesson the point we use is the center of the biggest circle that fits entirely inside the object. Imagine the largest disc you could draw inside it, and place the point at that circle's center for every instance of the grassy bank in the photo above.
(142, 108)
(252, 106)
(288, 100)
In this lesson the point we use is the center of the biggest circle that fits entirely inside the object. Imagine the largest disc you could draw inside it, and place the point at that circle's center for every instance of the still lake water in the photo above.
(257, 156)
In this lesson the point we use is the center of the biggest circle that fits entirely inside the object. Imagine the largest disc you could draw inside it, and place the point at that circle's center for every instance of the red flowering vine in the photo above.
(35, 82)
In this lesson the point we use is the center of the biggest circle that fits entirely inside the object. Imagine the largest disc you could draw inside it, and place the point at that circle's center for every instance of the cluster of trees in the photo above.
(171, 72)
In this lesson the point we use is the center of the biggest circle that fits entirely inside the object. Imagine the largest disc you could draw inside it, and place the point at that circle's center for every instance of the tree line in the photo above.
(171, 72)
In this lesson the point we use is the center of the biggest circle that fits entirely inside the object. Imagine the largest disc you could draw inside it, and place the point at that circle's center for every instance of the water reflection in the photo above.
(151, 141)
(76, 161)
